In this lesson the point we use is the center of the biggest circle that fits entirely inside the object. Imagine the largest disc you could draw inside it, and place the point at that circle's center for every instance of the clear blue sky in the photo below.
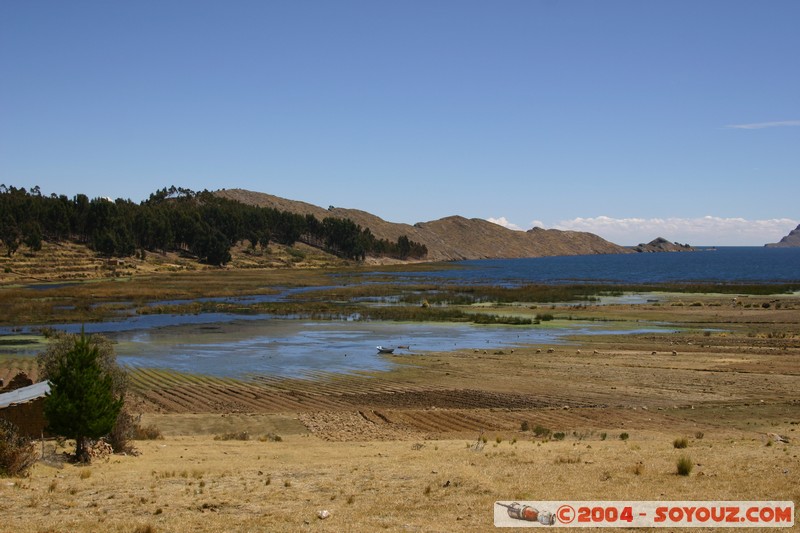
(631, 119)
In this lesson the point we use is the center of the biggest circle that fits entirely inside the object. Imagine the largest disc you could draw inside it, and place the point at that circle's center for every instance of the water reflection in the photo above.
(299, 348)
(295, 348)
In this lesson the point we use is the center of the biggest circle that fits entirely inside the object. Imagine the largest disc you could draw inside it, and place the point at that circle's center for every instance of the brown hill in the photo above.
(791, 240)
(450, 238)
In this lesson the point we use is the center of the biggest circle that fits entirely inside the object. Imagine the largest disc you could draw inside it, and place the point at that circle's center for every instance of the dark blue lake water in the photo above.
(724, 265)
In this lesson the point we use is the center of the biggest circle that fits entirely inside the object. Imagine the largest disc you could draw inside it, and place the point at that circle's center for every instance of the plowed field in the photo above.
(467, 393)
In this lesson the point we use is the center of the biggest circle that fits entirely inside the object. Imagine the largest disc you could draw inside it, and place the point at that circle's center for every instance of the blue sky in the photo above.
(630, 119)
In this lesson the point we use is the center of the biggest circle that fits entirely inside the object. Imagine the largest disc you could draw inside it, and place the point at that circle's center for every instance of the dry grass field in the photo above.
(433, 443)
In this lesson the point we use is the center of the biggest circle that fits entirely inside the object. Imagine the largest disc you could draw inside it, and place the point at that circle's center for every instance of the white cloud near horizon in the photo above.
(762, 125)
(700, 231)
(503, 221)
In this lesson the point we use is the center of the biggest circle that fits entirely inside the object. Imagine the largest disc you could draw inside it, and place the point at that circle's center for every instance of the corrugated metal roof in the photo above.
(25, 394)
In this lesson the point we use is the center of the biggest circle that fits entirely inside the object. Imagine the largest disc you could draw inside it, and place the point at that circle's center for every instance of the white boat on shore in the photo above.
(385, 349)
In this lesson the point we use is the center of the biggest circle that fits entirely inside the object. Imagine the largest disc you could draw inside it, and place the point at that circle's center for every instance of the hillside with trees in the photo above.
(451, 238)
(208, 227)
(201, 224)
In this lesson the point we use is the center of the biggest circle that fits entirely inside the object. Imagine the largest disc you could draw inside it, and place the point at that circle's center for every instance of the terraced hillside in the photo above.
(69, 261)
(56, 262)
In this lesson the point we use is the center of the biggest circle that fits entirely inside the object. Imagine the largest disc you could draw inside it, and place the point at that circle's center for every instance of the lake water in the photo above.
(726, 264)
(235, 345)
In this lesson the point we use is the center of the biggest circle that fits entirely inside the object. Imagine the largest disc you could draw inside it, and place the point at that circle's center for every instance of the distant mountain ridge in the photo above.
(450, 238)
(793, 239)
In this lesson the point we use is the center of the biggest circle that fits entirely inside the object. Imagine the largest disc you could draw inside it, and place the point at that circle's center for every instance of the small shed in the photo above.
(24, 408)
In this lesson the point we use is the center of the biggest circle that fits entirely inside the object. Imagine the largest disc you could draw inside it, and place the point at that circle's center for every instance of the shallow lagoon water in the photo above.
(227, 345)
(303, 348)
(230, 345)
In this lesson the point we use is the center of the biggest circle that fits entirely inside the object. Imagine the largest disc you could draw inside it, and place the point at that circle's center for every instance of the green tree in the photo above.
(33, 236)
(10, 234)
(105, 241)
(82, 403)
(62, 343)
(403, 246)
(212, 247)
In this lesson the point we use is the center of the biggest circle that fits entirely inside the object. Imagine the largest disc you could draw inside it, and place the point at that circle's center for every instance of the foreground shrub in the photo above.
(17, 452)
(684, 466)
(150, 432)
(541, 431)
(123, 432)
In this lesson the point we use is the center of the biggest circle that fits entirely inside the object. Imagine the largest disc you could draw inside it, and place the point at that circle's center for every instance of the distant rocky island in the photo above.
(791, 240)
(663, 245)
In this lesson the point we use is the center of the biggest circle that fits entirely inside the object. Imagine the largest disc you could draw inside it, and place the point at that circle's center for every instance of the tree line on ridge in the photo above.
(180, 220)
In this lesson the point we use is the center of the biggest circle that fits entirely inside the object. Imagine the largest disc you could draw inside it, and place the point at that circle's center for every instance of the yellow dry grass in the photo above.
(195, 483)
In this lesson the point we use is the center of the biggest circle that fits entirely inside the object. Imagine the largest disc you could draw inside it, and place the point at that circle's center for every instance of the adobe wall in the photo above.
(28, 417)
